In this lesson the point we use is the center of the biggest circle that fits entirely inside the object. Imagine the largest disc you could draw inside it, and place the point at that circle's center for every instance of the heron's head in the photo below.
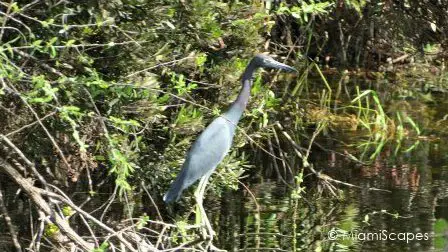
(264, 61)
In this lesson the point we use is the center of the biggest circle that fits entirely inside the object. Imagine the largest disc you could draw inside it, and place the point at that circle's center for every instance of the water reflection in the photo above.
(417, 203)
(268, 218)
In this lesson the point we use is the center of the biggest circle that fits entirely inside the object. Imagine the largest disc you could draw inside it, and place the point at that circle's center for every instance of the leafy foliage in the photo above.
(114, 92)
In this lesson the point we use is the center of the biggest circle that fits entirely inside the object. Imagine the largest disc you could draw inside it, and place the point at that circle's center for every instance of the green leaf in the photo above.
(14, 7)
(52, 52)
(52, 41)
(201, 59)
(70, 42)
(37, 43)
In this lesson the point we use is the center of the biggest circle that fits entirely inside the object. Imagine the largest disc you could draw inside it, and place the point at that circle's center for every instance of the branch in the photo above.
(12, 229)
(67, 201)
(159, 65)
(34, 194)
(44, 65)
(27, 162)
(7, 16)
(110, 44)
(30, 125)
(55, 145)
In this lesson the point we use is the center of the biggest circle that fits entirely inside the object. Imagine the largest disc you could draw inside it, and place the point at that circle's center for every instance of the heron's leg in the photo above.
(199, 206)
(199, 194)
(210, 231)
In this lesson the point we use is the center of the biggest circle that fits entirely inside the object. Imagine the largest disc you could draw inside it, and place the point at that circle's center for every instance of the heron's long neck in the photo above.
(239, 105)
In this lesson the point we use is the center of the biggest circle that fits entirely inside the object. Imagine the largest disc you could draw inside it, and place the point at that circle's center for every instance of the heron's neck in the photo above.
(239, 105)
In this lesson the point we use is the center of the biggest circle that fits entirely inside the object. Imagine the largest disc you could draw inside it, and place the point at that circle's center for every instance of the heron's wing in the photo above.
(206, 152)
(204, 155)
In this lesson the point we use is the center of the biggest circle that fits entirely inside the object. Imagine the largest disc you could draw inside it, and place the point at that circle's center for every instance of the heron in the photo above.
(213, 144)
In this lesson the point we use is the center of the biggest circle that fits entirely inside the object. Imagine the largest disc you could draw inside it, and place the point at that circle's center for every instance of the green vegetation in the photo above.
(100, 100)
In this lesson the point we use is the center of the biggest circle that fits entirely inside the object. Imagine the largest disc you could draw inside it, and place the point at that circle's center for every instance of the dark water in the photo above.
(412, 216)
(409, 213)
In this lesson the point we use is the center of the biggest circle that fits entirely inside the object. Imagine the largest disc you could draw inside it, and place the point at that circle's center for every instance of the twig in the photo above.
(31, 222)
(12, 229)
(202, 83)
(282, 156)
(41, 203)
(132, 226)
(110, 44)
(401, 58)
(90, 230)
(181, 247)
(253, 197)
(159, 65)
(27, 162)
(328, 178)
(44, 65)
(271, 149)
(5, 20)
(64, 198)
(31, 124)
(29, 5)
(55, 145)
(38, 236)
(161, 235)
(322, 176)
(89, 178)
(14, 29)
(152, 201)
(7, 16)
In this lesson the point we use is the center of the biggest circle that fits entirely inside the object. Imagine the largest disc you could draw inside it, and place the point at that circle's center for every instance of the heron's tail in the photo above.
(174, 192)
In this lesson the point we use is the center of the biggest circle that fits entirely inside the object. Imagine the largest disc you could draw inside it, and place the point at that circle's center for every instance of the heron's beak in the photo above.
(277, 65)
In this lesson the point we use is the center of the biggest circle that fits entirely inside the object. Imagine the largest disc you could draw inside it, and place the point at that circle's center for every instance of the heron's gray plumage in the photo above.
(215, 141)
(203, 157)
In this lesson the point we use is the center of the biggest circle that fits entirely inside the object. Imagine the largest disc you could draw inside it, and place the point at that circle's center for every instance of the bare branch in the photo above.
(55, 145)
(44, 65)
(15, 20)
(41, 203)
(27, 162)
(159, 65)
(12, 229)
(30, 125)
(110, 44)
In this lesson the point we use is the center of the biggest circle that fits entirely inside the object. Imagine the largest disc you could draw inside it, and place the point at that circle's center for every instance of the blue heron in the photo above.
(215, 141)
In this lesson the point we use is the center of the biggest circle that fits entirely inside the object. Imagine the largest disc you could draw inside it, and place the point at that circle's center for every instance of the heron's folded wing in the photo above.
(207, 151)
